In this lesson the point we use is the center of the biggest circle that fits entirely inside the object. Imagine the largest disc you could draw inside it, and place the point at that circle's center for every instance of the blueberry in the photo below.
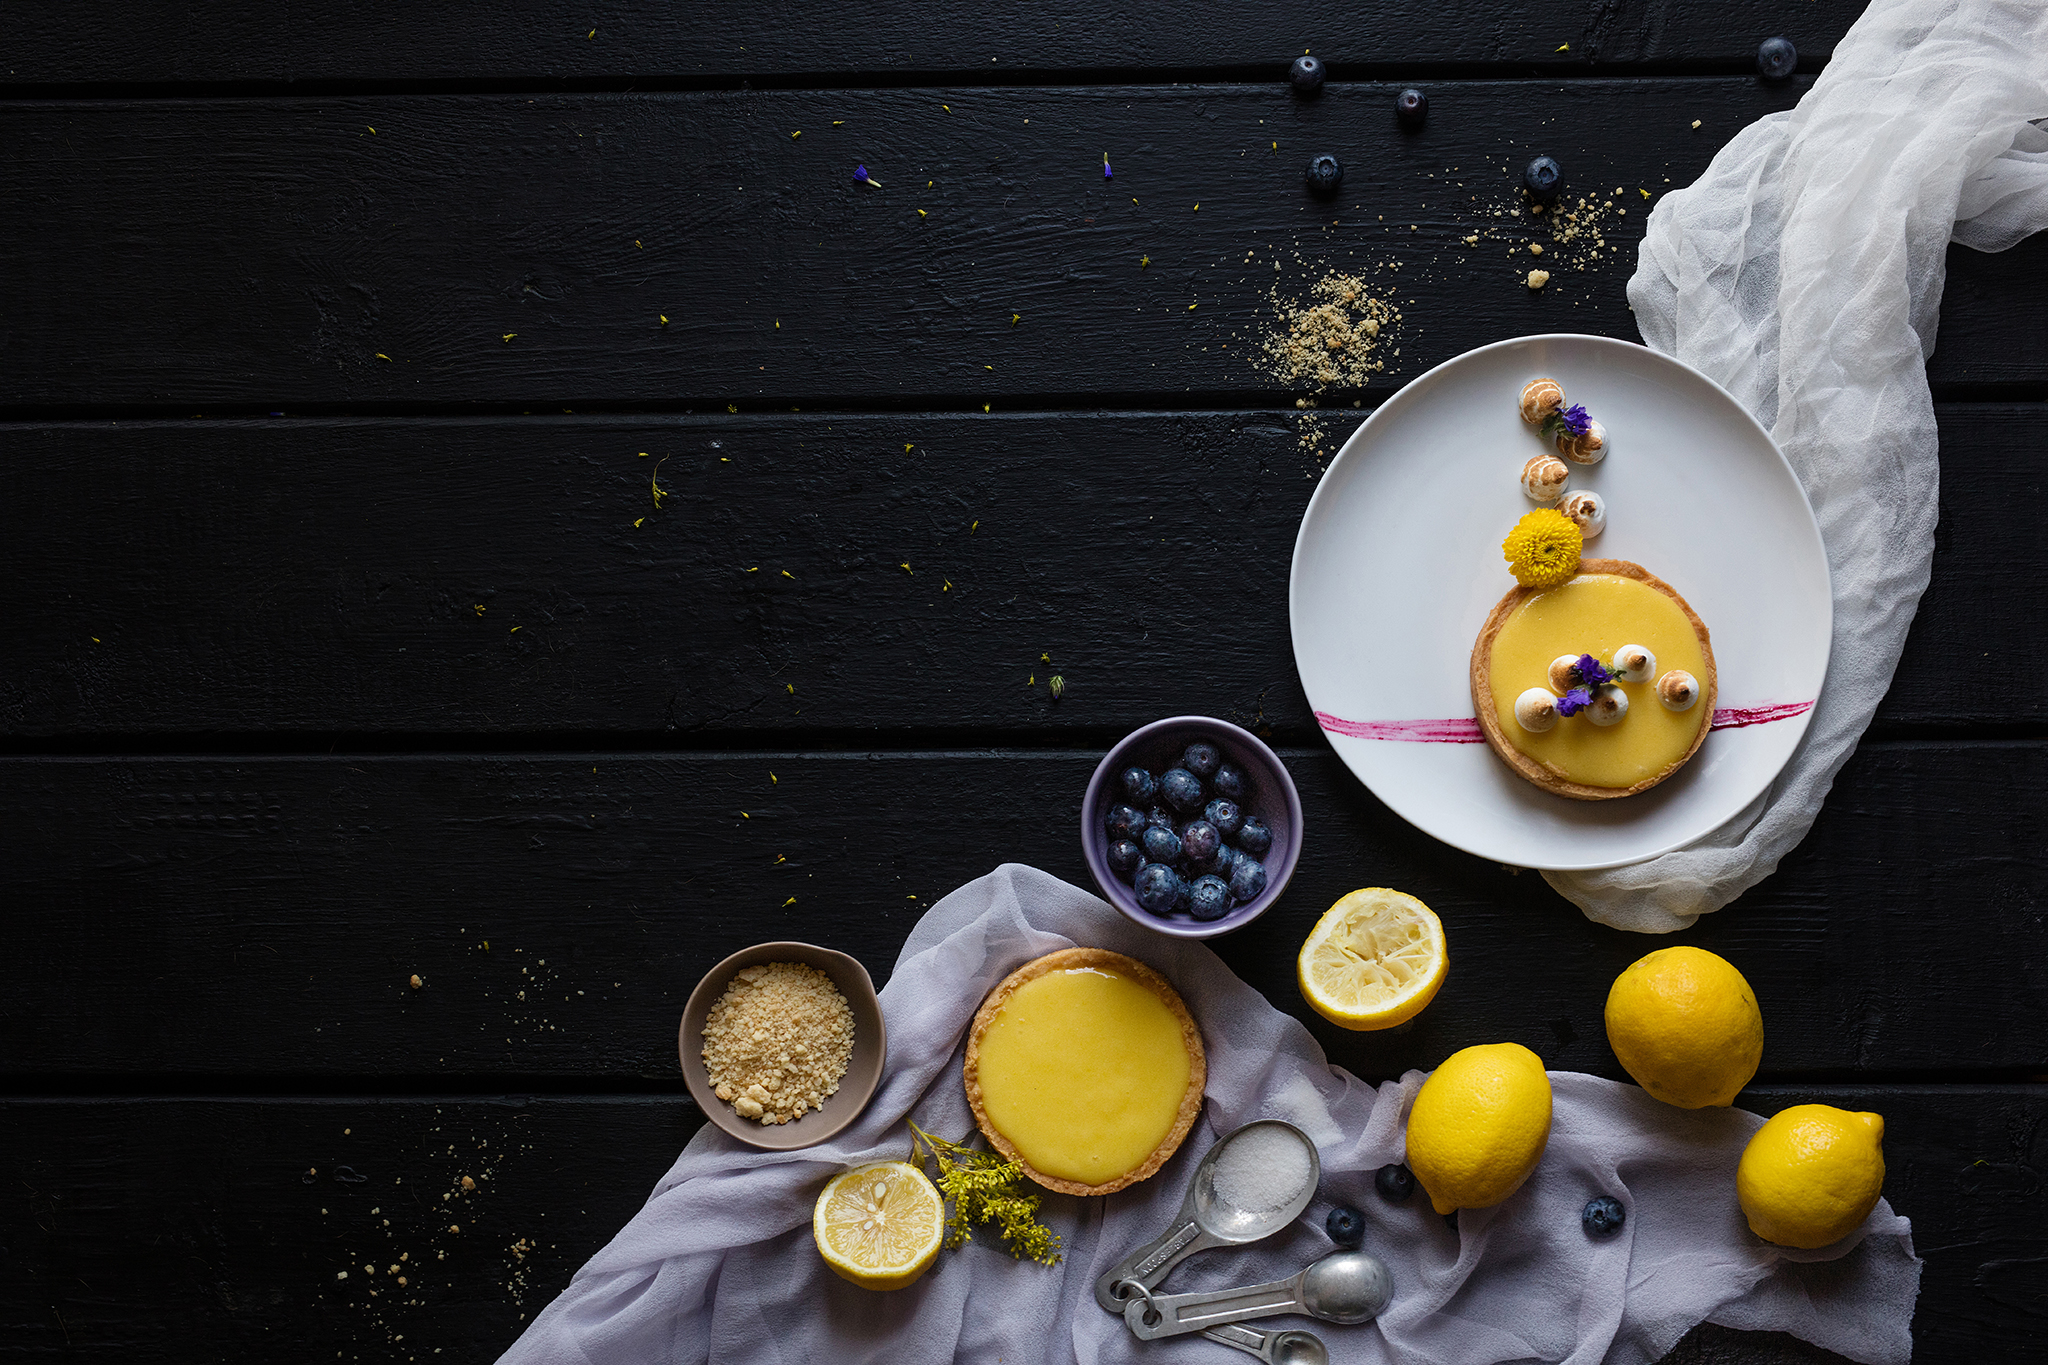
(1775, 58)
(1182, 790)
(1395, 1183)
(1346, 1227)
(1225, 815)
(1158, 887)
(1603, 1216)
(1325, 174)
(1160, 845)
(1226, 858)
(1124, 822)
(1306, 76)
(1160, 816)
(1411, 107)
(1254, 838)
(1138, 786)
(1201, 759)
(1124, 857)
(1247, 878)
(1542, 178)
(1201, 840)
(1229, 781)
(1208, 898)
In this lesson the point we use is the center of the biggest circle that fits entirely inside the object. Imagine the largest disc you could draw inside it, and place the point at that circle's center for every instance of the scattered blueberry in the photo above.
(1124, 857)
(1603, 1216)
(1411, 107)
(1229, 781)
(1306, 76)
(1201, 759)
(1158, 887)
(1253, 837)
(1161, 845)
(1395, 1183)
(1247, 878)
(1160, 816)
(1209, 898)
(1199, 841)
(1325, 174)
(1225, 815)
(1139, 788)
(1182, 790)
(1775, 58)
(1542, 178)
(1125, 822)
(1345, 1226)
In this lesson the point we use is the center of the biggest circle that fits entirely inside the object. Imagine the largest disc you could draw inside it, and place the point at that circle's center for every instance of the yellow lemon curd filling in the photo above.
(1084, 1070)
(1597, 614)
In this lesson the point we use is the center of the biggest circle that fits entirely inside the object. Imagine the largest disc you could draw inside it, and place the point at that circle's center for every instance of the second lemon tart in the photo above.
(1085, 1067)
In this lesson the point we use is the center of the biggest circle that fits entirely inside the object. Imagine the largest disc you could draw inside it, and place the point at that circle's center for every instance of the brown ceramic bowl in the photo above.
(863, 1068)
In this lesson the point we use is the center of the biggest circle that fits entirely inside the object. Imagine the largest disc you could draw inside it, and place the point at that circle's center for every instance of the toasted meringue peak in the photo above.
(1562, 679)
(1633, 663)
(1543, 480)
(1609, 705)
(1587, 510)
(1590, 448)
(1540, 398)
(1536, 710)
(1678, 690)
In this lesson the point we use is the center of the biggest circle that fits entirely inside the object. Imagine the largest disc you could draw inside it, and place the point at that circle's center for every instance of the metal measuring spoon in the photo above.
(1205, 1221)
(1275, 1348)
(1344, 1286)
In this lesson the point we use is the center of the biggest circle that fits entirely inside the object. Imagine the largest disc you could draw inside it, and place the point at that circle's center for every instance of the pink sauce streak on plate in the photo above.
(1465, 731)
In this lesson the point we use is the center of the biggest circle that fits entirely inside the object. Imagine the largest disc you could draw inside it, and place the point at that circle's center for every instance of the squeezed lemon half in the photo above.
(879, 1225)
(1373, 960)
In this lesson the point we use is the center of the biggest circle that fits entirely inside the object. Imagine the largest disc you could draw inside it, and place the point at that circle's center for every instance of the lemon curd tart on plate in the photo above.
(1085, 1067)
(1624, 726)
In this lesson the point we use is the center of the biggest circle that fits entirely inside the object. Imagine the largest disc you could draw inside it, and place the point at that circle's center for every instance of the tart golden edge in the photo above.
(1190, 1037)
(1542, 774)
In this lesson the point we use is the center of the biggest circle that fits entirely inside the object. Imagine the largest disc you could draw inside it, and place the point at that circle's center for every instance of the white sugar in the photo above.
(1261, 1169)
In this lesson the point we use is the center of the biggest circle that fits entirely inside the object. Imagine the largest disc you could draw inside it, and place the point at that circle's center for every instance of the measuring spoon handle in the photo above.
(1149, 1263)
(1173, 1315)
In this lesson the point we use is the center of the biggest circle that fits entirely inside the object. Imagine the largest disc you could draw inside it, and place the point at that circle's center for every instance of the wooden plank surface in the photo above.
(423, 253)
(193, 1230)
(633, 42)
(321, 576)
(261, 918)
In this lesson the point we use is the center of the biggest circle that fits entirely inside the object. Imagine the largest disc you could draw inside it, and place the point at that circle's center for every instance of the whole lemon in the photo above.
(1685, 1024)
(1479, 1125)
(1811, 1175)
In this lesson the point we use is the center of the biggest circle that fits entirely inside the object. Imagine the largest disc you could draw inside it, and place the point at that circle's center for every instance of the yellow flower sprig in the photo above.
(984, 1189)
(1543, 550)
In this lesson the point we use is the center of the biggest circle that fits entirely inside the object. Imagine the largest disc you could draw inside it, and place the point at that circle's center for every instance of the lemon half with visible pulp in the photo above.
(1811, 1175)
(1373, 960)
(1479, 1126)
(879, 1225)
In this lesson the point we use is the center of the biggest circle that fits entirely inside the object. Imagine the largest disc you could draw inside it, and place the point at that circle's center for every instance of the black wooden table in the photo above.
(496, 518)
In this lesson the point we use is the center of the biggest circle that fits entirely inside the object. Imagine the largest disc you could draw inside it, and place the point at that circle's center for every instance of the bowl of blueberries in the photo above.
(1191, 826)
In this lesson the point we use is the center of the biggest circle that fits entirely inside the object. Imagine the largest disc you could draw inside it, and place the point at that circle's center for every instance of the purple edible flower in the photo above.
(1107, 173)
(1573, 421)
(1574, 701)
(860, 173)
(1589, 671)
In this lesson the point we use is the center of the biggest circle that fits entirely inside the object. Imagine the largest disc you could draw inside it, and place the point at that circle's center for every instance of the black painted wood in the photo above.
(262, 918)
(195, 1230)
(521, 252)
(318, 576)
(630, 41)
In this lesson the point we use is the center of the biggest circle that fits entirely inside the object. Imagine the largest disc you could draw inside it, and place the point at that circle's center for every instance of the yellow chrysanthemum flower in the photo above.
(1543, 549)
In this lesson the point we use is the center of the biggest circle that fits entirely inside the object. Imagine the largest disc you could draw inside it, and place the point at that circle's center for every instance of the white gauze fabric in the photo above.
(1803, 272)
(720, 1265)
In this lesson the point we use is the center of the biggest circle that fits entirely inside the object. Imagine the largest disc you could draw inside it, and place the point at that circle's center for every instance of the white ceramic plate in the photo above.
(1398, 563)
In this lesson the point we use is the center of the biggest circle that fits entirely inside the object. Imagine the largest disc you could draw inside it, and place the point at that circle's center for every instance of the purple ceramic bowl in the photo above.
(1157, 747)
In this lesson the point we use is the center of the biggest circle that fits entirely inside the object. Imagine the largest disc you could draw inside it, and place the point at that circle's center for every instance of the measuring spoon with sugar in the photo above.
(1250, 1185)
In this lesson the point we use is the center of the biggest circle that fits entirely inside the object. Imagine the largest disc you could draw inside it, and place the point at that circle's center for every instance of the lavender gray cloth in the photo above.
(720, 1265)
